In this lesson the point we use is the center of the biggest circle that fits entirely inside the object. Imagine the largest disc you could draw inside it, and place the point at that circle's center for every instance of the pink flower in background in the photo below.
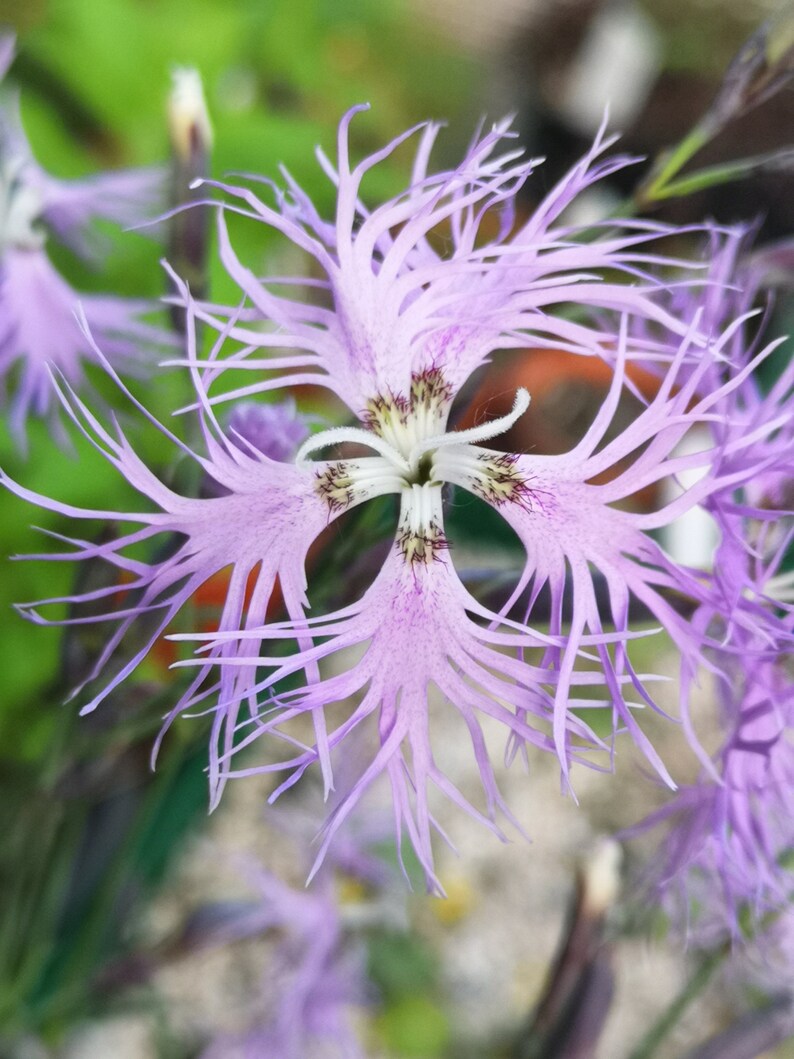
(317, 976)
(277, 430)
(724, 863)
(38, 327)
(397, 331)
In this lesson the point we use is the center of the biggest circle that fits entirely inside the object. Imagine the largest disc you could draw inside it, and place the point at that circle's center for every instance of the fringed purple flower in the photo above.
(68, 208)
(317, 977)
(396, 333)
(277, 430)
(725, 865)
(40, 332)
(38, 329)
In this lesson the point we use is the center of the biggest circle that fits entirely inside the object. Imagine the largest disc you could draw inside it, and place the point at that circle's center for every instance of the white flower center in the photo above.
(20, 209)
(414, 458)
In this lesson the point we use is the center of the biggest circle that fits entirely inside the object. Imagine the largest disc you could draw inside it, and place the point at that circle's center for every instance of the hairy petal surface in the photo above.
(416, 632)
(258, 531)
(40, 332)
(566, 517)
(400, 308)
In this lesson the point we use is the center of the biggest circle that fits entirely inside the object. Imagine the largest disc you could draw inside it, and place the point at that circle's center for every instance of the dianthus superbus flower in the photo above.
(38, 329)
(724, 865)
(317, 976)
(69, 207)
(398, 331)
(317, 973)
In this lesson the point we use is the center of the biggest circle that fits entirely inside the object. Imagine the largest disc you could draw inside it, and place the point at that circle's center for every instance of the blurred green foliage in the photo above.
(94, 78)
(415, 1028)
(87, 830)
(405, 972)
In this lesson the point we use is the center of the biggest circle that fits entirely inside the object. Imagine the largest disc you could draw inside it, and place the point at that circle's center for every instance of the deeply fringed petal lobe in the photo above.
(572, 527)
(258, 532)
(40, 332)
(127, 197)
(400, 308)
(416, 632)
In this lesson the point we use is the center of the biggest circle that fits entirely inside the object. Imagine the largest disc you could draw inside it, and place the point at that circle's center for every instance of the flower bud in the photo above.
(188, 119)
(762, 66)
(191, 143)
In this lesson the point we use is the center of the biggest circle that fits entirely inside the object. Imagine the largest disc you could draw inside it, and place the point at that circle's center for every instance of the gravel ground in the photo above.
(495, 935)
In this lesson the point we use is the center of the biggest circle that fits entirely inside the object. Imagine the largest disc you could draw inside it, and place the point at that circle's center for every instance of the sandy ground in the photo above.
(495, 935)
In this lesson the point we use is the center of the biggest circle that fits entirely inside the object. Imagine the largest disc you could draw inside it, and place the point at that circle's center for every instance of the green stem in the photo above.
(723, 174)
(669, 1018)
(669, 164)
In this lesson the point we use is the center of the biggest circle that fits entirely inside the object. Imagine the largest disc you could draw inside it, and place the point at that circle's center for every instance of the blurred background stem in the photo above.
(669, 1019)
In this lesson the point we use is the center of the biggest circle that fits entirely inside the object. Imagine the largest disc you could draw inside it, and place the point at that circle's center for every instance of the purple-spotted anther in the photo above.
(415, 456)
(396, 332)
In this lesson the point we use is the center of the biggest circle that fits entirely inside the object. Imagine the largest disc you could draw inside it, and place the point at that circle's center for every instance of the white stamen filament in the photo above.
(420, 507)
(475, 434)
(337, 435)
(346, 482)
(20, 209)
